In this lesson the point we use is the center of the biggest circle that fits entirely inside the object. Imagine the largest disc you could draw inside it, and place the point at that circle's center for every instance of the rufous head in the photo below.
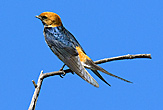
(50, 19)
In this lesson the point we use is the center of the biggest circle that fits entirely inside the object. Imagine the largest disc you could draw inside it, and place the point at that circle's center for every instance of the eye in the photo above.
(44, 17)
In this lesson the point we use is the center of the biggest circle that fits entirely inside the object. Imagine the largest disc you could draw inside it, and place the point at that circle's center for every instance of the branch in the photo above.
(123, 58)
(45, 75)
(36, 93)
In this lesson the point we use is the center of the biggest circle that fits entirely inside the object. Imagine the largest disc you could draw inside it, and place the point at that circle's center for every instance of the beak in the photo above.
(38, 17)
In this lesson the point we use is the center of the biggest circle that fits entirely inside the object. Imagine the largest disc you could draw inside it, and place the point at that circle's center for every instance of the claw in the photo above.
(61, 75)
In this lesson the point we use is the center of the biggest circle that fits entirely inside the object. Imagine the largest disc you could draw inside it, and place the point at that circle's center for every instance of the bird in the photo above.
(65, 46)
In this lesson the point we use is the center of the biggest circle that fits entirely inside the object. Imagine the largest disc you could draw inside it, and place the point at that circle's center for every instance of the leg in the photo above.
(62, 67)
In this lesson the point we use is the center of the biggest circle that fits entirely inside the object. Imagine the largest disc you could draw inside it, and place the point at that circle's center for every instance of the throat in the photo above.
(53, 25)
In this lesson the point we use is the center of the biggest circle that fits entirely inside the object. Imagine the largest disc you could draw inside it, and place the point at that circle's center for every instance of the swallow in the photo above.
(65, 46)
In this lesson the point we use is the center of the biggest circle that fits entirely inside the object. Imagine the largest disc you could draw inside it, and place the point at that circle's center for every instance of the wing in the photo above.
(64, 47)
(75, 65)
(74, 39)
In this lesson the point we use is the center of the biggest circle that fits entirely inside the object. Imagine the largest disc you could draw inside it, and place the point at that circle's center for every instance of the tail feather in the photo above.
(93, 66)
(98, 74)
(104, 71)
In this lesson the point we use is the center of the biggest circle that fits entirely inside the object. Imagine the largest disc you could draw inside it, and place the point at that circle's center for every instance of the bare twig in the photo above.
(45, 75)
(123, 58)
(34, 83)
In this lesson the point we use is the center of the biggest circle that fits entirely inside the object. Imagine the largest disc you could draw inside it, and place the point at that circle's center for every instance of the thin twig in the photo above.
(45, 75)
(123, 58)
(34, 83)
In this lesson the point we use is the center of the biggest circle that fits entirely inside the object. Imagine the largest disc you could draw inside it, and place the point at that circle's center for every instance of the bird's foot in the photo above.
(62, 75)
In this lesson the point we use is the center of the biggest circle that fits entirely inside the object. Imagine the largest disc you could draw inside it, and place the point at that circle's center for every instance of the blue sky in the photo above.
(105, 28)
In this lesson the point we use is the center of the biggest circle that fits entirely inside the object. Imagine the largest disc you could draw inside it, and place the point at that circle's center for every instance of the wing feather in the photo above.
(75, 65)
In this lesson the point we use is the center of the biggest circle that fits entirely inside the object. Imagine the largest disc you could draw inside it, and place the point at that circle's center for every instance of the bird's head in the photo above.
(50, 19)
